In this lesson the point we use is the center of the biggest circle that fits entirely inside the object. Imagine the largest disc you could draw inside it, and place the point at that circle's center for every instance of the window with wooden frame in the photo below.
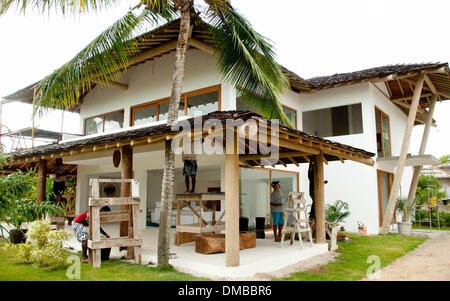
(291, 114)
(383, 133)
(205, 100)
(104, 122)
(385, 180)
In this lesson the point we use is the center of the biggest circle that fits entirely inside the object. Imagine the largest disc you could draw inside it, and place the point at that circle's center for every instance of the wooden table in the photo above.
(187, 232)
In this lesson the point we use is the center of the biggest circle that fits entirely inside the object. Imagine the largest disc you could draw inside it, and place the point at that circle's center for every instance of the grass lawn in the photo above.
(351, 263)
(110, 271)
(427, 227)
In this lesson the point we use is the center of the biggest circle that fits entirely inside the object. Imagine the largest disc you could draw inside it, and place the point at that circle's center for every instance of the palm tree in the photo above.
(245, 59)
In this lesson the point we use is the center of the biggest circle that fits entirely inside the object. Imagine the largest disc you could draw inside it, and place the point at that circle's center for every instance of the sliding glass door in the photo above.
(255, 191)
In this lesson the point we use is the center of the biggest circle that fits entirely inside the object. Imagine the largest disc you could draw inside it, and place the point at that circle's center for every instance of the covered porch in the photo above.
(245, 139)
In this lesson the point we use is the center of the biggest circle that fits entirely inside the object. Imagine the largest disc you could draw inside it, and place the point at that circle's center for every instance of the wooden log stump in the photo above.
(209, 243)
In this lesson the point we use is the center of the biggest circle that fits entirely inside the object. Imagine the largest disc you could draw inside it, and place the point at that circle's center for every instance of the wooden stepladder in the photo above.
(296, 208)
(95, 244)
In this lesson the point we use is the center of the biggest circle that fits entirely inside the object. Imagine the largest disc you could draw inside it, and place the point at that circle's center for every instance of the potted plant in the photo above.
(405, 208)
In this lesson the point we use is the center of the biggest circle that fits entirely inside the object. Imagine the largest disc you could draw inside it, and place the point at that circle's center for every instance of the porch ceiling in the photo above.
(294, 146)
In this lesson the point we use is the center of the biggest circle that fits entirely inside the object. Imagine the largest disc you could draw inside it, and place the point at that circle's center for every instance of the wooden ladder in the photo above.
(296, 207)
(133, 241)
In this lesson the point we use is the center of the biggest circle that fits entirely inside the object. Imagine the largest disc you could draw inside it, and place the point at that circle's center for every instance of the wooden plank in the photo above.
(114, 216)
(195, 228)
(200, 197)
(122, 201)
(42, 178)
(114, 243)
(135, 213)
(112, 180)
(232, 206)
(402, 158)
(125, 189)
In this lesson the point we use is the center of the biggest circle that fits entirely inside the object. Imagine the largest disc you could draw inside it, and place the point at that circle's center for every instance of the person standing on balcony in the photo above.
(189, 170)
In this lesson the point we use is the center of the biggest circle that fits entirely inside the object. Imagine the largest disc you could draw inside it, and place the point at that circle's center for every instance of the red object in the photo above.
(81, 218)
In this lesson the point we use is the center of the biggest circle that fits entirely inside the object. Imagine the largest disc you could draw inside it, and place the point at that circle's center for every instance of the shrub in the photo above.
(336, 212)
(44, 248)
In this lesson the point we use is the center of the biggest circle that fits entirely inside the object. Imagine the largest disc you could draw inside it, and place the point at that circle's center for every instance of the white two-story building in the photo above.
(367, 110)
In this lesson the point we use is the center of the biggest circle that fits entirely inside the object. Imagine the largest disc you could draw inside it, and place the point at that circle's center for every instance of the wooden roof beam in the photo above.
(431, 85)
(200, 45)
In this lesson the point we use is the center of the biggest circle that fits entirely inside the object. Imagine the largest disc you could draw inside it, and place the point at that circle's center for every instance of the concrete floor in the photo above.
(266, 258)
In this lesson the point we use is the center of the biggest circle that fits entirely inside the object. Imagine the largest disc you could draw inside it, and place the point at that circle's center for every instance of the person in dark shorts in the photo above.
(79, 224)
(190, 170)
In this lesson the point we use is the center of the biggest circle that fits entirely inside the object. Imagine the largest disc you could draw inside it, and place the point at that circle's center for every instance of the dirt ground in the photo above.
(430, 261)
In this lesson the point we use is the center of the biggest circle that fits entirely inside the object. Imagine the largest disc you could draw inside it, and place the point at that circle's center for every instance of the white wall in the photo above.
(152, 81)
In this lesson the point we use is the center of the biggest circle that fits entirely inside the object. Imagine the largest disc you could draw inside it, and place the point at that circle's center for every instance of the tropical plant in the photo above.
(428, 186)
(405, 207)
(337, 212)
(19, 211)
(444, 159)
(245, 60)
(43, 247)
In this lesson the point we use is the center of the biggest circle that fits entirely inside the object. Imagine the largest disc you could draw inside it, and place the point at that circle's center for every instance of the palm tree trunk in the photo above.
(169, 162)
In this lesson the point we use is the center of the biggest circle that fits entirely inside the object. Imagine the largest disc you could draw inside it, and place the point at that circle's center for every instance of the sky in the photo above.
(311, 38)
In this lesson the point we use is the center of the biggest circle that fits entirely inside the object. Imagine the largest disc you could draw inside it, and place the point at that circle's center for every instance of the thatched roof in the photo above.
(371, 73)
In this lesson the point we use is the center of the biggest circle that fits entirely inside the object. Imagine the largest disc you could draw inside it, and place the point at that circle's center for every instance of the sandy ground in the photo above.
(428, 262)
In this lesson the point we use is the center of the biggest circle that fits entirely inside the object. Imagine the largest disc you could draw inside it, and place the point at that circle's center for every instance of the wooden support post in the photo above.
(402, 158)
(95, 225)
(319, 200)
(232, 205)
(125, 190)
(423, 145)
(42, 176)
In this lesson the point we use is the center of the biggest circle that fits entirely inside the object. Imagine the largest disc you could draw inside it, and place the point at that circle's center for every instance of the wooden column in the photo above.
(319, 200)
(232, 206)
(125, 189)
(42, 176)
(402, 158)
(423, 145)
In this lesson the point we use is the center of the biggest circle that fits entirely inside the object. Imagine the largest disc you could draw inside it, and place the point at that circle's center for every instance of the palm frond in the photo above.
(103, 60)
(63, 6)
(247, 60)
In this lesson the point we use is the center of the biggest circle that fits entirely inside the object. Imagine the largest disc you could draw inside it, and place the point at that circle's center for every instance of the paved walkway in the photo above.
(429, 261)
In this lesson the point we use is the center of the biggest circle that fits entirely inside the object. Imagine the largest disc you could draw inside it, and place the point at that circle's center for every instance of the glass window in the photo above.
(158, 110)
(205, 103)
(386, 142)
(291, 115)
(104, 123)
(94, 125)
(337, 121)
(145, 115)
(114, 121)
(164, 111)
(383, 134)
(254, 196)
